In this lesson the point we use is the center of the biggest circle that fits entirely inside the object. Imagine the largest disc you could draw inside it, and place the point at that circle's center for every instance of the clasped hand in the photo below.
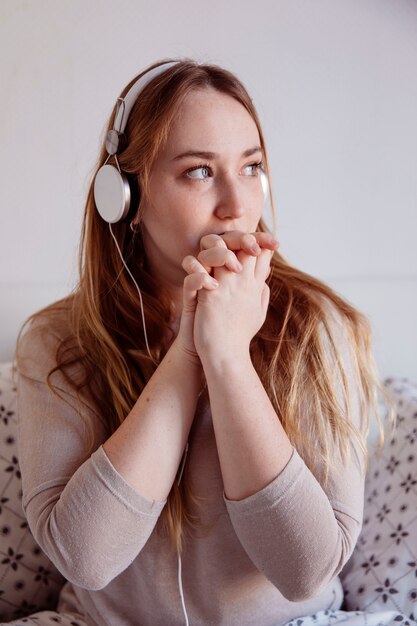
(225, 296)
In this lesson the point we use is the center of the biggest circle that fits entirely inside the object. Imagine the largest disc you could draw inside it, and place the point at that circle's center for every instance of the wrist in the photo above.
(223, 362)
(180, 351)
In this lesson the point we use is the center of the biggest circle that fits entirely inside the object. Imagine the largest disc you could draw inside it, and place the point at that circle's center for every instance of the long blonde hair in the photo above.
(295, 353)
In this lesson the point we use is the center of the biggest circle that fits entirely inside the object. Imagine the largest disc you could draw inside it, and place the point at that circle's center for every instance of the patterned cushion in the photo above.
(382, 572)
(28, 580)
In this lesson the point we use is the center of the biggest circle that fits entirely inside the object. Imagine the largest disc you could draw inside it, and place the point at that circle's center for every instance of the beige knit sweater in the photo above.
(263, 560)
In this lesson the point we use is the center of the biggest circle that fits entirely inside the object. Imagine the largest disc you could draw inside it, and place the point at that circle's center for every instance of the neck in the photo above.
(170, 279)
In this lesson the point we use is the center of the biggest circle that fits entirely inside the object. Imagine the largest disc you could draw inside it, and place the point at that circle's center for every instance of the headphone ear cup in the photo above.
(134, 197)
(265, 185)
(116, 195)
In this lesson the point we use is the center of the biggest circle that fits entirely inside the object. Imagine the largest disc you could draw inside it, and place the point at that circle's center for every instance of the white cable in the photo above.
(138, 290)
(187, 623)
(179, 557)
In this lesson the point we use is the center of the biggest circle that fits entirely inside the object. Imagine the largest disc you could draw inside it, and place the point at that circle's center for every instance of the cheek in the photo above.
(173, 205)
(174, 228)
(185, 213)
(259, 203)
(253, 216)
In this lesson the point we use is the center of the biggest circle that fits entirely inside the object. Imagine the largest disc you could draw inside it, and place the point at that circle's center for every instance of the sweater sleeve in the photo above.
(298, 532)
(88, 520)
(294, 534)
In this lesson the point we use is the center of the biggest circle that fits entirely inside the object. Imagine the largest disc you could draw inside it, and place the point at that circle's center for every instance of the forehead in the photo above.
(211, 120)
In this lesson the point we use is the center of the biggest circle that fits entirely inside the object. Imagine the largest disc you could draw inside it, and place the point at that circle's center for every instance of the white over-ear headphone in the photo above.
(116, 194)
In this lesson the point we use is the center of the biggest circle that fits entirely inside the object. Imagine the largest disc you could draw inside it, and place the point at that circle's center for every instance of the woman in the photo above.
(259, 371)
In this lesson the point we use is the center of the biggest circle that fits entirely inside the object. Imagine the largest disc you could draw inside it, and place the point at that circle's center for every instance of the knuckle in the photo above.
(204, 254)
(249, 238)
(192, 279)
(199, 278)
(230, 256)
(195, 265)
(187, 281)
(187, 261)
(211, 241)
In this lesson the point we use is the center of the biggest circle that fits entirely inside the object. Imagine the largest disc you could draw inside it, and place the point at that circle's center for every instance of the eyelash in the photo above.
(198, 167)
(258, 165)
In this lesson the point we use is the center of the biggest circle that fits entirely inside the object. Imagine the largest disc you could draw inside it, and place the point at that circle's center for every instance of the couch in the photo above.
(381, 574)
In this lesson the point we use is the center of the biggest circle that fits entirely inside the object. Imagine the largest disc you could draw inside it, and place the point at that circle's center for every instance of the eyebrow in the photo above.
(201, 154)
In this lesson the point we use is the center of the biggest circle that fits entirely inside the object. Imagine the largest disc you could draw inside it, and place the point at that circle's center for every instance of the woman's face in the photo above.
(205, 180)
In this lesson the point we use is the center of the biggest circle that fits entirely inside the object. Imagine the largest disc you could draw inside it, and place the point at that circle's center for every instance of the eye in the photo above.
(252, 169)
(200, 172)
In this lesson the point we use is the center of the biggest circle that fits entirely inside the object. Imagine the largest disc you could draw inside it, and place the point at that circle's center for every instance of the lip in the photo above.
(223, 232)
(214, 232)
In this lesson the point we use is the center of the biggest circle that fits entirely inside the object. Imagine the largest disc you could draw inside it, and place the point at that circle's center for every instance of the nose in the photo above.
(229, 199)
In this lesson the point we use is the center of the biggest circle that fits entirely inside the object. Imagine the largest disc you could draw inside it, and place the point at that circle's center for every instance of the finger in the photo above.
(263, 263)
(219, 257)
(193, 283)
(211, 241)
(239, 240)
(266, 240)
(191, 265)
(251, 243)
(248, 261)
(247, 242)
(266, 292)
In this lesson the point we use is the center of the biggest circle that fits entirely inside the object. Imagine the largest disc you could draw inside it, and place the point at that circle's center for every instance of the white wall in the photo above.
(335, 83)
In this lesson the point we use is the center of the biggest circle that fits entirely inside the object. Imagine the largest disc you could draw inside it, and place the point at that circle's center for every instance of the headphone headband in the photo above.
(116, 196)
(126, 103)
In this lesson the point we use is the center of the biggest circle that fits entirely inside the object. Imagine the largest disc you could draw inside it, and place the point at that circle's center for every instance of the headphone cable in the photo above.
(139, 293)
(154, 362)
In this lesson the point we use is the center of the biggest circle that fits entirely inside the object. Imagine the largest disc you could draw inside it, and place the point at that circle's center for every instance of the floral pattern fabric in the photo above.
(353, 618)
(381, 575)
(29, 582)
